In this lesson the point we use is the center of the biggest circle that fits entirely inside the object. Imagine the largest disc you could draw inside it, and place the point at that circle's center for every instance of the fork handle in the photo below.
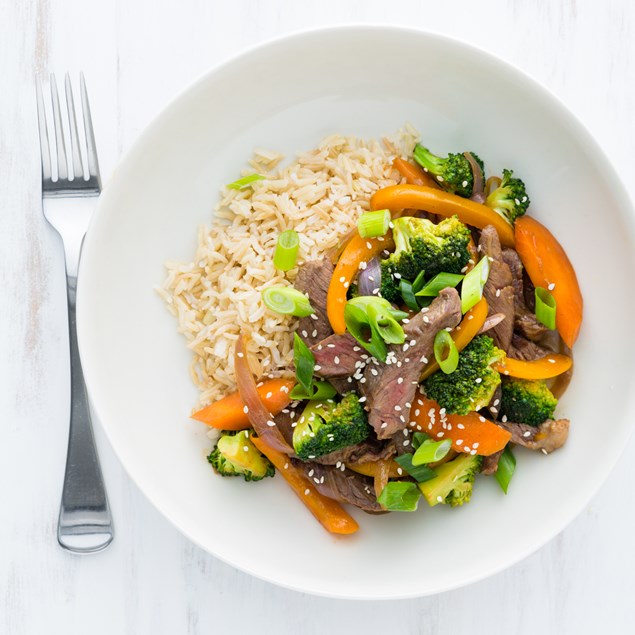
(85, 523)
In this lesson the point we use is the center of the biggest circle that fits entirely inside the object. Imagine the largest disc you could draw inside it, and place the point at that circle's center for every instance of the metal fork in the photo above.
(85, 523)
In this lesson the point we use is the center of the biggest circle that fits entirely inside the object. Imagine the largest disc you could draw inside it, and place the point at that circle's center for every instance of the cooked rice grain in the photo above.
(218, 294)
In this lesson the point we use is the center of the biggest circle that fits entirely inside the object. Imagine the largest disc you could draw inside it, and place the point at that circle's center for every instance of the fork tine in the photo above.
(62, 166)
(78, 168)
(45, 150)
(93, 165)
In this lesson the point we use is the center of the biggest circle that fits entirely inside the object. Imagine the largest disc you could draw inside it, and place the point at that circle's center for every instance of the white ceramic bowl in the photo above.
(286, 95)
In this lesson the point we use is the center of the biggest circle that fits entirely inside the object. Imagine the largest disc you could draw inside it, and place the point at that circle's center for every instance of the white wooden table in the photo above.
(137, 55)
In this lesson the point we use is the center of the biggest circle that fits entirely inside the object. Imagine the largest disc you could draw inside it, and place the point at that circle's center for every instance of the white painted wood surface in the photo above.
(137, 55)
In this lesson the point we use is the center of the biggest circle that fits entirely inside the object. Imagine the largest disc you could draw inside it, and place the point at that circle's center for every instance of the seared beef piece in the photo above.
(547, 437)
(528, 326)
(403, 441)
(490, 463)
(390, 388)
(338, 356)
(344, 486)
(343, 384)
(529, 291)
(498, 290)
(495, 402)
(370, 450)
(284, 422)
(524, 349)
(314, 278)
(512, 260)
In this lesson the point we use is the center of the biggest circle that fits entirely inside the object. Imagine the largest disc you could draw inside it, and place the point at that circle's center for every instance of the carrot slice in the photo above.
(546, 367)
(435, 201)
(462, 334)
(471, 433)
(330, 513)
(228, 413)
(358, 250)
(548, 266)
(413, 173)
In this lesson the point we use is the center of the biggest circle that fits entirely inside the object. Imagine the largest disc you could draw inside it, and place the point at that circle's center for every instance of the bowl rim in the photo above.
(610, 173)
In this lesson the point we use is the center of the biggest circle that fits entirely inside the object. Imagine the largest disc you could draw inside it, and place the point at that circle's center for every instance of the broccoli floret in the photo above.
(529, 402)
(420, 245)
(509, 199)
(472, 385)
(453, 173)
(326, 426)
(454, 481)
(236, 455)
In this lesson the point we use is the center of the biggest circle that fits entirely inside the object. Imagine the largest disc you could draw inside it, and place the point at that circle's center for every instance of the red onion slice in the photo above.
(478, 190)
(259, 416)
(491, 321)
(369, 279)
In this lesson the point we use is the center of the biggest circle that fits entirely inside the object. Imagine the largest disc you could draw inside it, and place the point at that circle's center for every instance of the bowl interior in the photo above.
(286, 96)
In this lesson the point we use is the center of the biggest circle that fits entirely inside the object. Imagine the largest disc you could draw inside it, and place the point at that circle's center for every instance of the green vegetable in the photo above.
(526, 401)
(545, 308)
(445, 352)
(304, 362)
(453, 173)
(236, 455)
(420, 473)
(441, 281)
(372, 224)
(453, 482)
(319, 390)
(241, 184)
(506, 468)
(359, 326)
(473, 285)
(326, 426)
(472, 385)
(399, 496)
(286, 250)
(509, 199)
(287, 301)
(420, 245)
(431, 451)
(405, 289)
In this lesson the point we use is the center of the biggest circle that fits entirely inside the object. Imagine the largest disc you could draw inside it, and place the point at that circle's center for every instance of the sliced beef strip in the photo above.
(313, 279)
(546, 437)
(495, 402)
(490, 463)
(343, 384)
(370, 450)
(512, 260)
(498, 291)
(338, 356)
(390, 388)
(525, 349)
(284, 422)
(344, 485)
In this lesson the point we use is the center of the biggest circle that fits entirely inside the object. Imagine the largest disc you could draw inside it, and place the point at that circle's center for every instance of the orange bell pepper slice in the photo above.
(413, 173)
(228, 414)
(358, 250)
(328, 512)
(471, 433)
(462, 334)
(548, 266)
(543, 368)
(373, 468)
(420, 197)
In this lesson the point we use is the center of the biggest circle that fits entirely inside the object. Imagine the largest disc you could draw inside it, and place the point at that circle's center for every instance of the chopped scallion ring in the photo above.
(473, 284)
(405, 288)
(287, 301)
(417, 284)
(359, 326)
(241, 184)
(304, 362)
(388, 328)
(446, 352)
(506, 468)
(399, 496)
(286, 250)
(419, 473)
(431, 451)
(438, 283)
(319, 390)
(545, 308)
(373, 224)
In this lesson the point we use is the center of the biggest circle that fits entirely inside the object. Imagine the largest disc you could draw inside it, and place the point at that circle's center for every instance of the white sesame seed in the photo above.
(343, 279)
(439, 499)
(269, 395)
(399, 471)
(504, 418)
(498, 293)
(551, 360)
(460, 426)
(245, 409)
(362, 399)
(544, 451)
(271, 423)
(384, 425)
(398, 408)
(426, 319)
(478, 380)
(317, 367)
(240, 355)
(314, 333)
(307, 491)
(459, 442)
(496, 402)
(286, 466)
(314, 317)
(464, 184)
(527, 433)
(440, 179)
(336, 359)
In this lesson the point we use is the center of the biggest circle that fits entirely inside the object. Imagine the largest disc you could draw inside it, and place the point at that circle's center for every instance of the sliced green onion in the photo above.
(319, 390)
(473, 283)
(446, 352)
(358, 325)
(286, 250)
(405, 288)
(417, 285)
(419, 473)
(430, 451)
(364, 301)
(506, 468)
(385, 324)
(304, 362)
(545, 308)
(372, 224)
(439, 282)
(287, 301)
(245, 181)
(399, 496)
(418, 438)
